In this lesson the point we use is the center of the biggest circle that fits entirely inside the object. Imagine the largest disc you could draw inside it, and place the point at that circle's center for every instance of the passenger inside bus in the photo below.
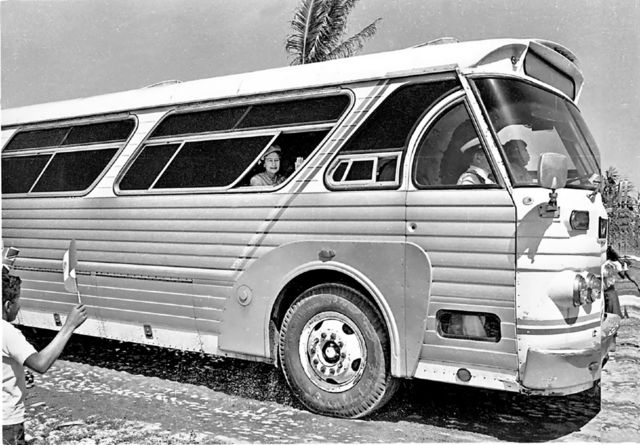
(452, 134)
(479, 171)
(518, 157)
(271, 162)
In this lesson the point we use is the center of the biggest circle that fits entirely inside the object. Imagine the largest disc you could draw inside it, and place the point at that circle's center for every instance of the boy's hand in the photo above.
(77, 316)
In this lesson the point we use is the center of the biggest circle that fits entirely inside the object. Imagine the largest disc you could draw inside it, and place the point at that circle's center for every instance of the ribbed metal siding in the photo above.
(160, 259)
(194, 245)
(469, 235)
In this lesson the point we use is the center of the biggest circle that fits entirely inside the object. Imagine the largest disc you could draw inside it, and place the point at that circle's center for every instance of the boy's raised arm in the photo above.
(42, 361)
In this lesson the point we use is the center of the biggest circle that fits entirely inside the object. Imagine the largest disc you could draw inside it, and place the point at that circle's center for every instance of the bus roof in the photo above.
(496, 55)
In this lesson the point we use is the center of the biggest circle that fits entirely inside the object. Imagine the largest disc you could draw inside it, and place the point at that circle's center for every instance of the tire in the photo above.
(334, 352)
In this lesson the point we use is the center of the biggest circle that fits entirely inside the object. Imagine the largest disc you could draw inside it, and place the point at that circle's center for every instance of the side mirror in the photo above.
(552, 174)
(552, 171)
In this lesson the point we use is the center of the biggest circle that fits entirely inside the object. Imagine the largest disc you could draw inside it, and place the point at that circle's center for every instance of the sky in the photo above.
(63, 49)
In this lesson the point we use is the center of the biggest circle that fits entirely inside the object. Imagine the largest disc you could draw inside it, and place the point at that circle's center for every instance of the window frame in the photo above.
(536, 83)
(449, 336)
(372, 182)
(181, 144)
(53, 150)
(405, 150)
(426, 125)
(275, 131)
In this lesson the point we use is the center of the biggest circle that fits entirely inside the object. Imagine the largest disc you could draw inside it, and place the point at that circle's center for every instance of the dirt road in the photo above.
(107, 392)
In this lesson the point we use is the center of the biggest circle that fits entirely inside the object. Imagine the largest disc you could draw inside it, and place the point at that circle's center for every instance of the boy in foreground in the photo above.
(17, 352)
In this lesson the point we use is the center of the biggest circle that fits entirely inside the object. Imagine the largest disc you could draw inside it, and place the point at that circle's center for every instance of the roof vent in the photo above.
(163, 83)
(440, 41)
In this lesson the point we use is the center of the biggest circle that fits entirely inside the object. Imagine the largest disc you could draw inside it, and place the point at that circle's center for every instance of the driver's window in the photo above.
(450, 154)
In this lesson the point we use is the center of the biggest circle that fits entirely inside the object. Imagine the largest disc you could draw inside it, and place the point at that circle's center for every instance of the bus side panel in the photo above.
(339, 221)
(163, 261)
(379, 266)
(469, 235)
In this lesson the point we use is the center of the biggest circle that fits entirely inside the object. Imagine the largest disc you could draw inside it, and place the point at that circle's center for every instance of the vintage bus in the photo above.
(369, 262)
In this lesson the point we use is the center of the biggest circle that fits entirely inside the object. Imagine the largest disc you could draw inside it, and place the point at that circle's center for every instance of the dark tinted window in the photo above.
(19, 173)
(114, 131)
(214, 163)
(339, 172)
(360, 171)
(103, 132)
(301, 111)
(387, 169)
(69, 171)
(320, 109)
(443, 154)
(147, 166)
(37, 139)
(73, 171)
(390, 124)
(199, 122)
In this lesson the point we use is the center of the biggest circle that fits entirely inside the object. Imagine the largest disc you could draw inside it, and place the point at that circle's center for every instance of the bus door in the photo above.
(461, 214)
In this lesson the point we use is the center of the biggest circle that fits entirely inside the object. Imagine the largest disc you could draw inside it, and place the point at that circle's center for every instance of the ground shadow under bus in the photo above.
(505, 416)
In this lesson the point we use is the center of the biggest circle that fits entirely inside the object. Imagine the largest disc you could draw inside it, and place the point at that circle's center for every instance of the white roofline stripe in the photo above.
(411, 61)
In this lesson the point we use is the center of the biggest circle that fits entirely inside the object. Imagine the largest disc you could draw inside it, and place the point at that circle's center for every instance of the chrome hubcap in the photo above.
(332, 352)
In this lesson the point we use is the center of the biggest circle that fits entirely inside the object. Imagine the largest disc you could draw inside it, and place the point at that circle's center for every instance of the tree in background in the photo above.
(623, 210)
(319, 27)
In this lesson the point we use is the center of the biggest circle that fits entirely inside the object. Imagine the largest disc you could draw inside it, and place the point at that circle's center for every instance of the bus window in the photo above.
(292, 112)
(75, 170)
(300, 111)
(445, 152)
(370, 159)
(390, 125)
(296, 148)
(378, 170)
(480, 326)
(62, 159)
(29, 168)
(546, 123)
(147, 166)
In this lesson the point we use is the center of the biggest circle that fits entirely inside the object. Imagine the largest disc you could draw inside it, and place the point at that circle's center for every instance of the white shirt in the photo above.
(15, 350)
(470, 177)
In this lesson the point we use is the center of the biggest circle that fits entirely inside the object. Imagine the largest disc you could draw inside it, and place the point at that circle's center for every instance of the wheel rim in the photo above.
(332, 351)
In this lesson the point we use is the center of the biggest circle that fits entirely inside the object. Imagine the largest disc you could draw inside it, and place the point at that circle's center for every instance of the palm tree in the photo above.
(623, 211)
(610, 186)
(318, 33)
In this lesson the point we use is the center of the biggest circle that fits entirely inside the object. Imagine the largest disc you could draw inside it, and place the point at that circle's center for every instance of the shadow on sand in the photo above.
(504, 416)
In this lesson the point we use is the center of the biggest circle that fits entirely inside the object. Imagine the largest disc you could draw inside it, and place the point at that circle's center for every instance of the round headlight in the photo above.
(594, 284)
(580, 290)
(579, 220)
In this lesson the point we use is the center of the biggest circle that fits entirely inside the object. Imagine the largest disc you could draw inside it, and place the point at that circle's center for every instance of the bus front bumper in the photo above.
(565, 371)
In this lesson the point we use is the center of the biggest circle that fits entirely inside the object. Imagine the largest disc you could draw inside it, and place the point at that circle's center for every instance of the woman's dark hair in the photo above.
(10, 287)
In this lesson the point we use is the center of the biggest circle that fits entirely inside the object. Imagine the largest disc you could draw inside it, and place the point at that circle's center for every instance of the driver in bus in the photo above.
(479, 171)
(518, 157)
(271, 175)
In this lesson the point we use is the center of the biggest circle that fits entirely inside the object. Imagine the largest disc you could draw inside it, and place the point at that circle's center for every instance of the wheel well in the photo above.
(304, 281)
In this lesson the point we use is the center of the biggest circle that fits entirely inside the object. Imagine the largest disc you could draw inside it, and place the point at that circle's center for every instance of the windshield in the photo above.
(530, 121)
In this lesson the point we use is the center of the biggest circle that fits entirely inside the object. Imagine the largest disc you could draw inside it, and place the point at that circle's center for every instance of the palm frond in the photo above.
(318, 30)
(353, 44)
(306, 23)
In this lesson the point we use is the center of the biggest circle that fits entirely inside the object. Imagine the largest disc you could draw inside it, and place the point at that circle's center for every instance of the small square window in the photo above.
(360, 171)
(480, 326)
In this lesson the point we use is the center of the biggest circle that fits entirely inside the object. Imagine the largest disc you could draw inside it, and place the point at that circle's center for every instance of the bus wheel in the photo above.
(334, 352)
